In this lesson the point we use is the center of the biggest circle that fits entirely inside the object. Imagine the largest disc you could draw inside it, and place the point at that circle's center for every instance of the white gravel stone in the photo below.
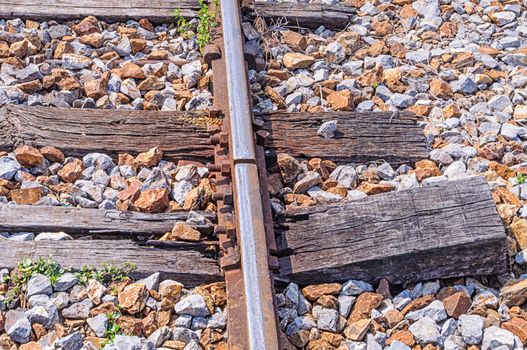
(471, 328)
(426, 331)
(355, 287)
(193, 305)
(435, 310)
(39, 284)
(328, 129)
(495, 337)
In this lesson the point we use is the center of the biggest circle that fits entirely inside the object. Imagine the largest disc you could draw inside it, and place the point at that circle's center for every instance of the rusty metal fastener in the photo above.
(226, 197)
(224, 168)
(261, 135)
(221, 139)
(211, 52)
(230, 258)
(222, 230)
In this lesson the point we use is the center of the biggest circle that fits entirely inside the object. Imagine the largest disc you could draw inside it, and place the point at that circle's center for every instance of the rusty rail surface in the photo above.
(244, 232)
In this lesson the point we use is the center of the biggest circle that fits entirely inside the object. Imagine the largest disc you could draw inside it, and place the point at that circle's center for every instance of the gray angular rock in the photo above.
(311, 178)
(160, 336)
(427, 8)
(98, 324)
(151, 282)
(465, 84)
(426, 331)
(328, 129)
(345, 175)
(355, 287)
(495, 337)
(449, 328)
(193, 305)
(44, 315)
(39, 284)
(22, 236)
(78, 311)
(435, 310)
(419, 56)
(65, 282)
(471, 328)
(17, 326)
(130, 342)
(218, 320)
(500, 102)
(184, 321)
(328, 320)
(29, 73)
(504, 17)
(402, 100)
(8, 168)
(454, 342)
(346, 302)
(98, 160)
(73, 341)
(300, 323)
(397, 345)
(184, 335)
(60, 300)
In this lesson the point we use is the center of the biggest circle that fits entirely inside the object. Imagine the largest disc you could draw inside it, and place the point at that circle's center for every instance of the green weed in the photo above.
(27, 269)
(206, 23)
(108, 272)
(520, 179)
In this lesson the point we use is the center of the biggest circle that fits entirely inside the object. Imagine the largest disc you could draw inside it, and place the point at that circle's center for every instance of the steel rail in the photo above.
(258, 287)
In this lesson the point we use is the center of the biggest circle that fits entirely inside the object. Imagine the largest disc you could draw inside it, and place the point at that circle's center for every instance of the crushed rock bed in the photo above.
(435, 59)
(147, 314)
(93, 64)
(461, 66)
(145, 183)
(450, 314)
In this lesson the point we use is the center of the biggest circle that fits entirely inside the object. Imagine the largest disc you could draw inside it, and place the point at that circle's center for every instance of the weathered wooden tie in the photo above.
(445, 230)
(307, 15)
(361, 137)
(185, 264)
(111, 10)
(77, 131)
(32, 218)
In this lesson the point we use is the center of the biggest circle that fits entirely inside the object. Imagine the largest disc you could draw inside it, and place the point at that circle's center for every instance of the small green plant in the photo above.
(182, 24)
(206, 22)
(27, 269)
(112, 329)
(375, 85)
(520, 179)
(107, 273)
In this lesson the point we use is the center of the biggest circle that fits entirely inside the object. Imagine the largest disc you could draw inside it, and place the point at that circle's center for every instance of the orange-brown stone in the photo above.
(28, 156)
(518, 327)
(150, 158)
(364, 304)
(313, 292)
(72, 171)
(52, 154)
(457, 304)
(153, 200)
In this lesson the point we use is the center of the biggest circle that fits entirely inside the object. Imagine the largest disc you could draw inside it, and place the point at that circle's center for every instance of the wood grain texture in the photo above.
(307, 15)
(110, 10)
(188, 266)
(77, 132)
(361, 137)
(32, 218)
(446, 230)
